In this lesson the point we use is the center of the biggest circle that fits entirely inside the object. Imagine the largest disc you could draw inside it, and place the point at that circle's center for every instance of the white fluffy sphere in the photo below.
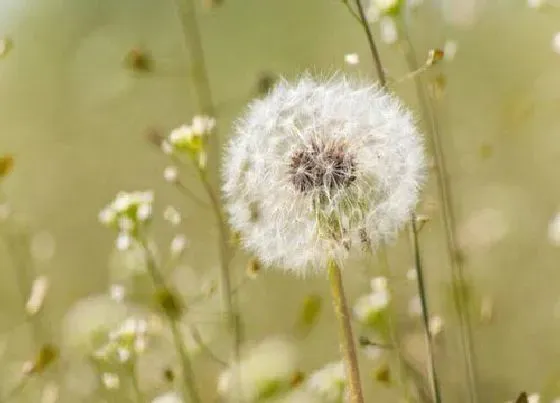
(321, 167)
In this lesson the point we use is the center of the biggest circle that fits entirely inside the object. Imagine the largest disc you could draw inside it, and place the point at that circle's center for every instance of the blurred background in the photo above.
(83, 83)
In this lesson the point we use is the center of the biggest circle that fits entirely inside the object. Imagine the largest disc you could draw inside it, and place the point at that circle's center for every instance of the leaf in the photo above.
(308, 314)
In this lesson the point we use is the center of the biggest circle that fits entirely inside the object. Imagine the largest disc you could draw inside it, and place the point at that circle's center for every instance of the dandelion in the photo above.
(318, 168)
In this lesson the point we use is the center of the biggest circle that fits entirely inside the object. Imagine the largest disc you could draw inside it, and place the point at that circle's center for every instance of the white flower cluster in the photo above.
(369, 306)
(329, 382)
(125, 342)
(190, 139)
(266, 371)
(319, 168)
(127, 212)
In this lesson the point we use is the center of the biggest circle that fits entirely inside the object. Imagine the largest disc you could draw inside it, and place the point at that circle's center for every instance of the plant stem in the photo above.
(425, 313)
(201, 84)
(412, 227)
(191, 393)
(134, 382)
(448, 218)
(347, 345)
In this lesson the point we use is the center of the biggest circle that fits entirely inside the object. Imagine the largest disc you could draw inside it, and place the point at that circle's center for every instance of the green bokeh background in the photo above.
(76, 119)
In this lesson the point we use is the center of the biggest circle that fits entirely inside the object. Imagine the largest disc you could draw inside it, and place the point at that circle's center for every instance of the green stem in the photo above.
(448, 218)
(347, 344)
(134, 382)
(425, 313)
(412, 227)
(191, 393)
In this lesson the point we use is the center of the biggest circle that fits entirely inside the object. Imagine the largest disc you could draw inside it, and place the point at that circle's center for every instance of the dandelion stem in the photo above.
(448, 219)
(413, 230)
(191, 394)
(347, 344)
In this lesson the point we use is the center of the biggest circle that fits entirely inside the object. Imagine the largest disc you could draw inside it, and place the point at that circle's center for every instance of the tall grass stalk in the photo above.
(448, 218)
(412, 225)
(200, 82)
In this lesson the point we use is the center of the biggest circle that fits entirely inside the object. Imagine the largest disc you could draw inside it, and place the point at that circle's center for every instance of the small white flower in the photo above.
(166, 147)
(170, 174)
(37, 296)
(379, 284)
(110, 380)
(123, 354)
(202, 125)
(370, 305)
(352, 58)
(534, 398)
(117, 292)
(122, 202)
(107, 216)
(172, 215)
(449, 50)
(373, 352)
(411, 274)
(178, 244)
(144, 212)
(329, 382)
(389, 32)
(180, 136)
(436, 325)
(319, 167)
(124, 241)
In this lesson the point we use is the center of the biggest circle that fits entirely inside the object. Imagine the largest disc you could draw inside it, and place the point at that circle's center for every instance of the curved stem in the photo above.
(347, 344)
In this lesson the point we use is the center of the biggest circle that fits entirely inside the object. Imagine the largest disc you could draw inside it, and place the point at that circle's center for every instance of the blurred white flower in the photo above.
(536, 3)
(368, 306)
(170, 174)
(388, 29)
(110, 380)
(449, 50)
(172, 215)
(411, 274)
(534, 398)
(178, 245)
(169, 397)
(123, 242)
(415, 306)
(264, 371)
(386, 6)
(202, 125)
(436, 325)
(329, 382)
(117, 292)
(352, 58)
(37, 296)
(320, 167)
(87, 324)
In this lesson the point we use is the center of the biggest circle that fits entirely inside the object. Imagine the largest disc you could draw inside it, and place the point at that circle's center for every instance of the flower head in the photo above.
(318, 168)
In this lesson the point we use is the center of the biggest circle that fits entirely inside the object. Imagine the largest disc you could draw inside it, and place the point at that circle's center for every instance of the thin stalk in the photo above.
(227, 292)
(347, 344)
(425, 313)
(202, 91)
(412, 227)
(448, 218)
(394, 337)
(191, 392)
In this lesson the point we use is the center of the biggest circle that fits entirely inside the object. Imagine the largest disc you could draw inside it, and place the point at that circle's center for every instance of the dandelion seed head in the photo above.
(318, 167)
